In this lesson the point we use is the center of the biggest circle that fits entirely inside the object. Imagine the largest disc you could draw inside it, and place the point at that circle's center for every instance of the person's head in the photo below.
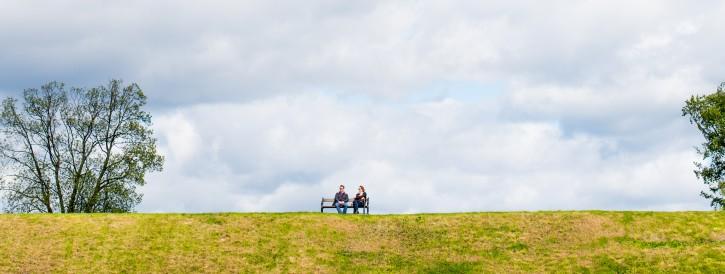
(342, 188)
(361, 188)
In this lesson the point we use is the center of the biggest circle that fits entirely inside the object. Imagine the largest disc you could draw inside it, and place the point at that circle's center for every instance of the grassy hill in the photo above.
(582, 241)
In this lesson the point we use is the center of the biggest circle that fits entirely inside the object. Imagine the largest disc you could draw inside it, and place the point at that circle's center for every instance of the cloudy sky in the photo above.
(435, 106)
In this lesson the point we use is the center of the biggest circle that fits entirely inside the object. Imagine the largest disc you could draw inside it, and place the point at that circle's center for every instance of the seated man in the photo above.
(341, 200)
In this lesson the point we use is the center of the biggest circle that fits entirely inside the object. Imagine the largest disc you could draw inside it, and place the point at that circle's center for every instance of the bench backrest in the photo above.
(330, 200)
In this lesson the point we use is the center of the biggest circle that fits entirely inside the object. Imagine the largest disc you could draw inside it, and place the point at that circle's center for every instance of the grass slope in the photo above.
(582, 241)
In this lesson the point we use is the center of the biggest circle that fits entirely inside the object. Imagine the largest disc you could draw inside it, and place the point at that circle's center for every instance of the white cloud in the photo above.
(245, 50)
(284, 153)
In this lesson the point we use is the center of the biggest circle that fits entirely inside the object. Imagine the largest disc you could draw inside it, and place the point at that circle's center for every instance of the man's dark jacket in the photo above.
(340, 196)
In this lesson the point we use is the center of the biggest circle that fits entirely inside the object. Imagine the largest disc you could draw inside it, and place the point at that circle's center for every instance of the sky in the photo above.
(434, 106)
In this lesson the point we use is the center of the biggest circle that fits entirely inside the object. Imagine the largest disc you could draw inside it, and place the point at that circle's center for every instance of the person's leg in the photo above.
(337, 207)
(344, 211)
(354, 207)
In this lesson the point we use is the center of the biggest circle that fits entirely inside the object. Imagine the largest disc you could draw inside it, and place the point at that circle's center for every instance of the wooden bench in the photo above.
(365, 209)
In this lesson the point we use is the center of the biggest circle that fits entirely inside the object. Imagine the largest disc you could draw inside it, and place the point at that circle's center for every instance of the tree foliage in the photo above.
(707, 112)
(76, 150)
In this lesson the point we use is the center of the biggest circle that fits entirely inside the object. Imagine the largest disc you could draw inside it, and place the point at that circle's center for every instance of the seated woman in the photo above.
(359, 199)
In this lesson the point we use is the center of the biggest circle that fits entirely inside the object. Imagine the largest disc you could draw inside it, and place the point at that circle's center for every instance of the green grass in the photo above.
(580, 241)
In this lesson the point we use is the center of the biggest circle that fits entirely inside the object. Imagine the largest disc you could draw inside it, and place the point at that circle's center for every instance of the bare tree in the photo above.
(77, 150)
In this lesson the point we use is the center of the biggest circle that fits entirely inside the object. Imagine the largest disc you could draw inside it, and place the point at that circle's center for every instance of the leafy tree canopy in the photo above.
(707, 112)
(76, 149)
